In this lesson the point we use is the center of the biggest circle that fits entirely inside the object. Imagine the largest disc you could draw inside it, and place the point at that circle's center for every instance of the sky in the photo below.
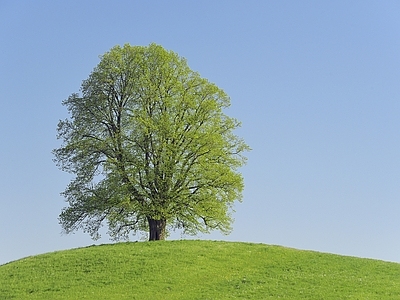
(314, 83)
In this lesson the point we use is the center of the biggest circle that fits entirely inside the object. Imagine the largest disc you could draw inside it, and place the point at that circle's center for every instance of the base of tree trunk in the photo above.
(156, 229)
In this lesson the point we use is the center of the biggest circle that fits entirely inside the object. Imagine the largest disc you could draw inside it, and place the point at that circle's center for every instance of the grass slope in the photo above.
(197, 270)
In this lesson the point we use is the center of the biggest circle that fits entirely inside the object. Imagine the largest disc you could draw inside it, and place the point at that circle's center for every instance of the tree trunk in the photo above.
(156, 229)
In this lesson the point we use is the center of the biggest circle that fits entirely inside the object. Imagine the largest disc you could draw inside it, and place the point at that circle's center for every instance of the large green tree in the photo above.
(150, 147)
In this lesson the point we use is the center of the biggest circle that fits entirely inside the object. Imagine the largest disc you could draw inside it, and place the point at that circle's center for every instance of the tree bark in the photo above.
(156, 229)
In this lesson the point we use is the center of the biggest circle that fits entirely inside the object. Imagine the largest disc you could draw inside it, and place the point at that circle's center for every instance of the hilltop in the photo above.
(197, 270)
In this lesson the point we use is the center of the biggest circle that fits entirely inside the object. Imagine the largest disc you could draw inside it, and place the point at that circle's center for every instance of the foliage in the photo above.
(202, 270)
(150, 146)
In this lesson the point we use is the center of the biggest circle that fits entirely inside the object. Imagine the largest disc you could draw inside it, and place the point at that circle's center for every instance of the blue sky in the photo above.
(315, 84)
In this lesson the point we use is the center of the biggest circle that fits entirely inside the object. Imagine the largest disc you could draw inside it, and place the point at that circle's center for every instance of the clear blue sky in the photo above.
(315, 84)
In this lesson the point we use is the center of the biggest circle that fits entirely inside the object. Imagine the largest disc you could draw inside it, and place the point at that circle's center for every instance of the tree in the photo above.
(150, 148)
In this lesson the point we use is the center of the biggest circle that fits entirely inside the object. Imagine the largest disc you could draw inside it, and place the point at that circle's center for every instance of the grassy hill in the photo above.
(197, 270)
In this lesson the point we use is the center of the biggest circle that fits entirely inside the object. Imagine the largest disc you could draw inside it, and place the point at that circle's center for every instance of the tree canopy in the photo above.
(150, 147)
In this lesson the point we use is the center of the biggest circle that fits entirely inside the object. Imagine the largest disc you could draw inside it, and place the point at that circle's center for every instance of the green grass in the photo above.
(197, 270)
